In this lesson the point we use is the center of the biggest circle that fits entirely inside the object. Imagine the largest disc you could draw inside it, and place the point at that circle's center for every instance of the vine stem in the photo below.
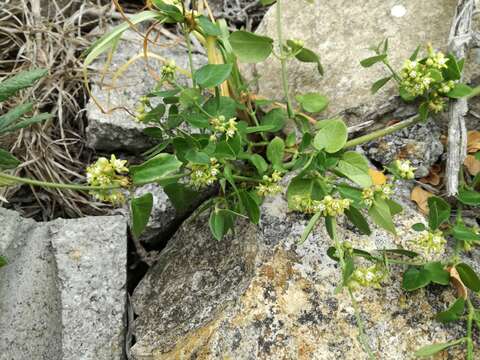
(33, 182)
(362, 336)
(283, 60)
(470, 315)
(380, 133)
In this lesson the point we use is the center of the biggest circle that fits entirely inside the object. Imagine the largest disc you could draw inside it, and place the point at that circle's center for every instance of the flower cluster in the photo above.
(203, 175)
(421, 77)
(429, 243)
(384, 191)
(221, 125)
(140, 110)
(328, 206)
(169, 71)
(107, 173)
(404, 169)
(270, 186)
(370, 276)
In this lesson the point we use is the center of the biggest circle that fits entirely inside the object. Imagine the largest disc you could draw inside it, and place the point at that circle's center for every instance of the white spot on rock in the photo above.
(398, 11)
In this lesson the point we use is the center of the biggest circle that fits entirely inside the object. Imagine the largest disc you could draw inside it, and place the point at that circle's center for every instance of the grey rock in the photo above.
(341, 33)
(261, 295)
(91, 257)
(31, 325)
(238, 12)
(419, 143)
(116, 128)
(62, 292)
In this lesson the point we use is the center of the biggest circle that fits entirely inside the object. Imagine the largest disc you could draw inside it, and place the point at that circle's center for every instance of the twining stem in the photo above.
(45, 184)
(361, 328)
(190, 56)
(471, 313)
(283, 60)
(340, 253)
(383, 132)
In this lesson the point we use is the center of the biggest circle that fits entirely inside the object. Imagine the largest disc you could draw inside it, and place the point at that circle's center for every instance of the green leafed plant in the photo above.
(216, 134)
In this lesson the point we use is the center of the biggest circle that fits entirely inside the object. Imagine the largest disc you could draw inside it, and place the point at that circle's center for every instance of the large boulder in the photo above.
(62, 293)
(116, 128)
(341, 32)
(261, 295)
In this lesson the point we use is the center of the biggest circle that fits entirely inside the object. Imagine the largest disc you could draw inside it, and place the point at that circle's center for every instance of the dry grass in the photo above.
(36, 36)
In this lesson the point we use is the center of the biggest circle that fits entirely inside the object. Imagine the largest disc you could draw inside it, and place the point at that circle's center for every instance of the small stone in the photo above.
(398, 11)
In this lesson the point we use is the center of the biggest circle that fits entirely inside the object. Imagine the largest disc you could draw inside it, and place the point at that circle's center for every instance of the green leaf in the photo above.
(155, 169)
(403, 252)
(414, 55)
(267, 2)
(305, 188)
(13, 115)
(3, 261)
(249, 47)
(141, 208)
(154, 132)
(395, 208)
(430, 350)
(423, 111)
(439, 212)
(415, 278)
(372, 60)
(459, 91)
(377, 85)
(217, 224)
(27, 122)
(308, 56)
(7, 160)
(464, 233)
(357, 219)
(419, 227)
(211, 75)
(332, 136)
(355, 167)
(259, 162)
(453, 70)
(468, 197)
(181, 196)
(453, 313)
(251, 206)
(173, 12)
(312, 102)
(275, 151)
(468, 276)
(190, 97)
(349, 192)
(330, 226)
(20, 81)
(435, 75)
(224, 106)
(208, 27)
(308, 229)
(380, 214)
(110, 39)
(155, 115)
(348, 270)
(276, 119)
(197, 157)
(437, 273)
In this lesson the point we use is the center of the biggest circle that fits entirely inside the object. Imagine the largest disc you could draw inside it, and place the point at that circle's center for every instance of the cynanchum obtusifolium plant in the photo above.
(216, 133)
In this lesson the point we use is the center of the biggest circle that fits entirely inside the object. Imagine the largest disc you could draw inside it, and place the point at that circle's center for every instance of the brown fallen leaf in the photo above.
(472, 165)
(433, 176)
(473, 141)
(378, 177)
(420, 197)
(457, 283)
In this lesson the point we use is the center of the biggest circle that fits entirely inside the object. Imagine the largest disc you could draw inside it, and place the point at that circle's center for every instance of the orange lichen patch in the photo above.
(472, 165)
(420, 197)
(378, 177)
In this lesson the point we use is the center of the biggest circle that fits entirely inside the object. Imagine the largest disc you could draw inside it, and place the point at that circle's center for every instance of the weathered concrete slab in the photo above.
(62, 294)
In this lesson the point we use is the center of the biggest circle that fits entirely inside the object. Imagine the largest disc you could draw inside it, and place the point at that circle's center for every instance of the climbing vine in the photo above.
(216, 134)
